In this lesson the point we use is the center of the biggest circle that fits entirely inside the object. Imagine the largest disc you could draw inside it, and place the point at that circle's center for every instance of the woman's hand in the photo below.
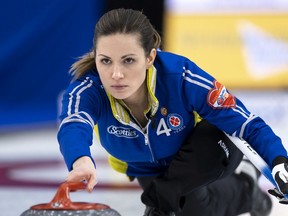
(280, 175)
(83, 169)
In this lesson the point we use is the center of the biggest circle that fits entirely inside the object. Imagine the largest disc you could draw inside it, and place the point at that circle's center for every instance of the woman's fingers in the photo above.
(91, 183)
(83, 170)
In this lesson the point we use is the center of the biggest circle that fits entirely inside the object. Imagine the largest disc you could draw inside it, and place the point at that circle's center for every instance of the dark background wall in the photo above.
(154, 10)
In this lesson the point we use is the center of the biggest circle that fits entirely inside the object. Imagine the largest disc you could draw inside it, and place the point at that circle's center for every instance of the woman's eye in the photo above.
(106, 61)
(129, 60)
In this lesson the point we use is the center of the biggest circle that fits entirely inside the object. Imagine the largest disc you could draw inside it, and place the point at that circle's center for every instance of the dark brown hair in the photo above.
(123, 21)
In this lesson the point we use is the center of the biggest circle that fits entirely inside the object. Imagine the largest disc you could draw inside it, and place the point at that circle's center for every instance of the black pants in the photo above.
(200, 180)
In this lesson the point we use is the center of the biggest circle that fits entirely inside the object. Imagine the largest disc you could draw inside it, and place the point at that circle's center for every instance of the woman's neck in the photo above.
(137, 104)
(139, 100)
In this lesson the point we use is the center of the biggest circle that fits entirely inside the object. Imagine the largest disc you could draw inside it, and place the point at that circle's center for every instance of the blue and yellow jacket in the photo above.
(179, 93)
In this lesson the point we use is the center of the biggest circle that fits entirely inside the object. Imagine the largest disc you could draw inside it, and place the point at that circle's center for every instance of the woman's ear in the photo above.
(151, 57)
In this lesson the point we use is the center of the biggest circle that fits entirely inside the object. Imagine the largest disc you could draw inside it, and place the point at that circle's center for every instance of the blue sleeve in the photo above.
(213, 102)
(79, 114)
(75, 140)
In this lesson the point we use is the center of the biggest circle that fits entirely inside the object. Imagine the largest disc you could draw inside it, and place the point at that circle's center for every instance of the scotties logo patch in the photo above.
(219, 97)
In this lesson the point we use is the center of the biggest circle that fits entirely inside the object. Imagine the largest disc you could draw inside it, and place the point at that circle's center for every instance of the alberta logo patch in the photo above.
(219, 97)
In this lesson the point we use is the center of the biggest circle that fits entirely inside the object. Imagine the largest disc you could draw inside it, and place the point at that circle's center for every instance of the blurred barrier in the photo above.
(244, 44)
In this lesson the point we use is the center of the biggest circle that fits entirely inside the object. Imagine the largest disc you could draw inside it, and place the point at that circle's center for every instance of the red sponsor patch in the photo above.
(219, 97)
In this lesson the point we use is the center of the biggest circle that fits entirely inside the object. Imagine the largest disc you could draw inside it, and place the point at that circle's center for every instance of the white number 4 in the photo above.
(162, 128)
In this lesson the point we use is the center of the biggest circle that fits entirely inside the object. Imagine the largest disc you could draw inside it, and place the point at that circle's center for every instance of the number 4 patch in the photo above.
(163, 128)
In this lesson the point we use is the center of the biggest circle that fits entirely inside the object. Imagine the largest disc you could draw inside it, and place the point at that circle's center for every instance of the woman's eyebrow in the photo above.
(103, 55)
(127, 55)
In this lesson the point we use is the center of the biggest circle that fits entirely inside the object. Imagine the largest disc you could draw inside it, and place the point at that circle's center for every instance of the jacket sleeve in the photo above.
(213, 102)
(79, 114)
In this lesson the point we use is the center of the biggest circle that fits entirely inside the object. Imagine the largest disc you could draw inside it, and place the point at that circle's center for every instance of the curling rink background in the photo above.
(31, 166)
(244, 44)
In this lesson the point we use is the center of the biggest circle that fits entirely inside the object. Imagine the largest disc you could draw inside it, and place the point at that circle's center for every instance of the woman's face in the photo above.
(121, 63)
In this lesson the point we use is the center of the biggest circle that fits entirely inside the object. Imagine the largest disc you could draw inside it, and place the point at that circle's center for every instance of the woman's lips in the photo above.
(118, 87)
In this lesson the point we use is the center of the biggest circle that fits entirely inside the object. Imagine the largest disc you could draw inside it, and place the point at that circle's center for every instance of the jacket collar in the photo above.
(119, 108)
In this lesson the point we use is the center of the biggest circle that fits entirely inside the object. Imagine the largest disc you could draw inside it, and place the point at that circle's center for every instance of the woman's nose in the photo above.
(117, 74)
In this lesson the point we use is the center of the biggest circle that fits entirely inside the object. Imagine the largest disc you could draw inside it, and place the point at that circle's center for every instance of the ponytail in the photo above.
(83, 65)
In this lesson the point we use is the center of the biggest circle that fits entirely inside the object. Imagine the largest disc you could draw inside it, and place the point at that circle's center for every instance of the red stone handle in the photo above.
(62, 200)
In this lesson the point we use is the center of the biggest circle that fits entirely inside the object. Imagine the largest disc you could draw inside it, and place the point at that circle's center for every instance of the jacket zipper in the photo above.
(148, 143)
(146, 138)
